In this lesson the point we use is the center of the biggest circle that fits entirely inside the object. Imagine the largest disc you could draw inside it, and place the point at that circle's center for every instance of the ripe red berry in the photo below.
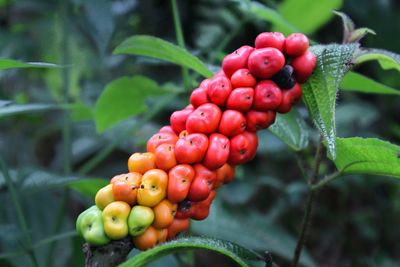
(178, 119)
(243, 78)
(225, 175)
(232, 123)
(219, 90)
(243, 148)
(264, 63)
(267, 96)
(204, 83)
(204, 119)
(270, 39)
(199, 97)
(236, 60)
(202, 183)
(161, 138)
(258, 120)
(290, 97)
(296, 44)
(240, 99)
(218, 151)
(167, 129)
(304, 66)
(200, 210)
(191, 149)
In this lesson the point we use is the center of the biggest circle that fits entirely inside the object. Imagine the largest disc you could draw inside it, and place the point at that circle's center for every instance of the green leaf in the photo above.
(350, 33)
(348, 24)
(123, 98)
(271, 15)
(308, 15)
(88, 187)
(368, 156)
(235, 252)
(359, 83)
(255, 232)
(291, 129)
(8, 108)
(319, 92)
(6, 63)
(150, 46)
(80, 111)
(386, 59)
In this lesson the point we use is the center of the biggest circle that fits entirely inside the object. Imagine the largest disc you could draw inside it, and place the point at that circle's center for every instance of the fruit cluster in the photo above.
(185, 162)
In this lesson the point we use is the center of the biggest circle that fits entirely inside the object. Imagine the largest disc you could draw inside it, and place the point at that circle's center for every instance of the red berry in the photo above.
(202, 183)
(243, 78)
(178, 119)
(240, 99)
(243, 148)
(199, 97)
(218, 90)
(286, 104)
(232, 123)
(267, 96)
(167, 129)
(225, 175)
(236, 60)
(257, 120)
(191, 149)
(200, 210)
(218, 151)
(304, 66)
(204, 84)
(159, 139)
(296, 44)
(290, 97)
(270, 39)
(265, 62)
(204, 119)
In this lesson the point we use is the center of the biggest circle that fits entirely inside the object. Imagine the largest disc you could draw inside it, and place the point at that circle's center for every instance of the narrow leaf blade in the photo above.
(368, 156)
(143, 45)
(386, 59)
(291, 129)
(359, 83)
(6, 63)
(9, 108)
(235, 252)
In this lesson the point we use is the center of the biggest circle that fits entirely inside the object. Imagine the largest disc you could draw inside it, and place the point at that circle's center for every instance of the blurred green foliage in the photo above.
(58, 127)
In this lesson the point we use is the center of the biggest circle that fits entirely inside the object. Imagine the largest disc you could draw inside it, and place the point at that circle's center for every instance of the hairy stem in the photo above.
(309, 205)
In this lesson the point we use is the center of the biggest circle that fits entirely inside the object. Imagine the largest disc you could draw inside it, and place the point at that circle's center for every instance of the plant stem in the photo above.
(309, 205)
(304, 228)
(67, 129)
(180, 40)
(325, 181)
(20, 213)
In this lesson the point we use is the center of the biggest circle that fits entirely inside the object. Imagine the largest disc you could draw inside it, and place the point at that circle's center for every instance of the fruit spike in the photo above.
(187, 161)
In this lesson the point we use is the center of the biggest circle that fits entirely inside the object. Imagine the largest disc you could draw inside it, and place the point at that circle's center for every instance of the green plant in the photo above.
(350, 155)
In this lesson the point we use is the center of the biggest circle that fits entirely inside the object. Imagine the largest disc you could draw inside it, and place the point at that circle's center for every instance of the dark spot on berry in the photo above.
(201, 113)
(243, 151)
(184, 205)
(142, 186)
